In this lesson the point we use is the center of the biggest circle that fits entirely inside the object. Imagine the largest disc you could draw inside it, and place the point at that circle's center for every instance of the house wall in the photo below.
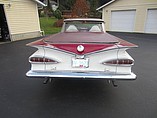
(141, 7)
(22, 17)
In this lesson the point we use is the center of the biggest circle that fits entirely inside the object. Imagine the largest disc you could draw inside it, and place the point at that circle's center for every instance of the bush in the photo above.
(58, 23)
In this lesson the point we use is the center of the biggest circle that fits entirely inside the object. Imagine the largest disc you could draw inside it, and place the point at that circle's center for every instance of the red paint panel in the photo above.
(88, 48)
(123, 43)
(91, 42)
(37, 43)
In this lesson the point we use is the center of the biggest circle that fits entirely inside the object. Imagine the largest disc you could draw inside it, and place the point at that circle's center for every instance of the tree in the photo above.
(77, 6)
(66, 4)
(80, 8)
(93, 6)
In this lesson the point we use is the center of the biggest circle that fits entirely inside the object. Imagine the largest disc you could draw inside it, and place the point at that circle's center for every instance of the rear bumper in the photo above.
(83, 75)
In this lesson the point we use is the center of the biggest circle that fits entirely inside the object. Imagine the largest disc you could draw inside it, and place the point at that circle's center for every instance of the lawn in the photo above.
(47, 25)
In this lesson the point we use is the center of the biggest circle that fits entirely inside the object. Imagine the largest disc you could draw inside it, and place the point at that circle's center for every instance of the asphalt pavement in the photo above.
(22, 97)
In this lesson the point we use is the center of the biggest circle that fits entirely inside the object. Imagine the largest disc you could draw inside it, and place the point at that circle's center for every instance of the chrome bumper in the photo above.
(83, 75)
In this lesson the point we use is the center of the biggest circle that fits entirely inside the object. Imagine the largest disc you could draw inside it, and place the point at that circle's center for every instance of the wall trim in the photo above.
(27, 35)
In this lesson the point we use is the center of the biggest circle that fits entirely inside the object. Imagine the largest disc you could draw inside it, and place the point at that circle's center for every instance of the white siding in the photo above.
(22, 16)
(143, 21)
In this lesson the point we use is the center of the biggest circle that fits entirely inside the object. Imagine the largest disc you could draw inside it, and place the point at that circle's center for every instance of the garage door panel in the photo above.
(151, 22)
(122, 21)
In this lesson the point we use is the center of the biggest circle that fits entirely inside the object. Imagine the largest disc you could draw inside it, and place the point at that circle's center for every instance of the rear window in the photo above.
(83, 26)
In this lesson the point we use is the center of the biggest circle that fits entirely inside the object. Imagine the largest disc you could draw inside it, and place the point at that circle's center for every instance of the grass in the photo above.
(46, 24)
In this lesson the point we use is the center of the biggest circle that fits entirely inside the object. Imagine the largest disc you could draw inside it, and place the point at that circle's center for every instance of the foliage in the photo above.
(57, 14)
(70, 5)
(47, 25)
(66, 4)
(80, 8)
(92, 4)
(49, 6)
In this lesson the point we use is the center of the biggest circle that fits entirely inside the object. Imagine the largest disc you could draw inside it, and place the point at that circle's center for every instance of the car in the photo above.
(82, 50)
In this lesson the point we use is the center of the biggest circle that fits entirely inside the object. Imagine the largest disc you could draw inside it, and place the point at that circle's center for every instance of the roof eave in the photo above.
(105, 5)
(39, 2)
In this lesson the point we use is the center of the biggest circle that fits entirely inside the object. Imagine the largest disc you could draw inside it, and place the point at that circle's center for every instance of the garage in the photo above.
(151, 22)
(19, 19)
(4, 30)
(123, 20)
(130, 16)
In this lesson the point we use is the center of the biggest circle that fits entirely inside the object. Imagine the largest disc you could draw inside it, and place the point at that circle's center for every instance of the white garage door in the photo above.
(151, 22)
(122, 21)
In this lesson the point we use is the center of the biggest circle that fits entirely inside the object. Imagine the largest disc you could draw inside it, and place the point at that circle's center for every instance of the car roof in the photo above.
(84, 19)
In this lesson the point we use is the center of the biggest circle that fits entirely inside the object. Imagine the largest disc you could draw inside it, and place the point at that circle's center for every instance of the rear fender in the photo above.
(122, 68)
(35, 66)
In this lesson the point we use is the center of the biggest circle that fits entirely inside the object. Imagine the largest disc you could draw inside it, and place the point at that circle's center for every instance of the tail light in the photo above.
(120, 62)
(40, 60)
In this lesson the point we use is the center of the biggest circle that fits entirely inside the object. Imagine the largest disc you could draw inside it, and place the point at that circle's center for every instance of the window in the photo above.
(83, 26)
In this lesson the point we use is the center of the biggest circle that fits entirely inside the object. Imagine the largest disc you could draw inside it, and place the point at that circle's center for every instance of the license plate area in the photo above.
(80, 63)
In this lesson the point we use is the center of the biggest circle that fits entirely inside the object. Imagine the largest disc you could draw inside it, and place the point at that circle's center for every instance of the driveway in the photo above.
(21, 97)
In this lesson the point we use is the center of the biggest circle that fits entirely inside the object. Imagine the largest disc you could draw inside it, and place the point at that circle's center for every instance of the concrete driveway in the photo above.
(21, 97)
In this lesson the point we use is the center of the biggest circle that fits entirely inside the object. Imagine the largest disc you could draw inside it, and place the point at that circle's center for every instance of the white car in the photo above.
(82, 50)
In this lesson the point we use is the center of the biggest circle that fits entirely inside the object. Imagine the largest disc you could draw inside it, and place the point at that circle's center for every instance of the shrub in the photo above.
(58, 23)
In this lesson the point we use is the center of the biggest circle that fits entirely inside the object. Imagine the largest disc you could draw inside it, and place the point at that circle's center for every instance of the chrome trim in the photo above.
(79, 56)
(120, 65)
(80, 48)
(83, 75)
